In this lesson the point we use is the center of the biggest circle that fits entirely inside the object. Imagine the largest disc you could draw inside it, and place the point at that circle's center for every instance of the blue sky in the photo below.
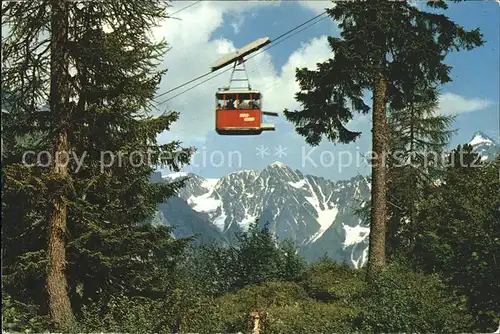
(208, 29)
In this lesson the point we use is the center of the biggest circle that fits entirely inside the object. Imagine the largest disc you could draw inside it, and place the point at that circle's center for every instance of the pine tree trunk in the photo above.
(409, 226)
(376, 257)
(57, 285)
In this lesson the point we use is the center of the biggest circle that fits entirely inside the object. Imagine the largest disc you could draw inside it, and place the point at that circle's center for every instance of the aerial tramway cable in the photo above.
(184, 8)
(273, 43)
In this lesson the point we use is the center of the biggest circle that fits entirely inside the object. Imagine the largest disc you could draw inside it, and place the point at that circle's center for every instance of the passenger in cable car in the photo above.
(230, 104)
(255, 104)
(243, 104)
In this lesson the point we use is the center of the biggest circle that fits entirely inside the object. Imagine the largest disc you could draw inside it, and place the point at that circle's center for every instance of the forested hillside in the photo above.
(90, 244)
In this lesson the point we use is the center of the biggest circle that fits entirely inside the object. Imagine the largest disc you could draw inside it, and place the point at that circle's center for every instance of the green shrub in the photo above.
(399, 300)
(253, 258)
(235, 309)
(21, 317)
(310, 316)
(124, 315)
(145, 315)
(288, 308)
(327, 281)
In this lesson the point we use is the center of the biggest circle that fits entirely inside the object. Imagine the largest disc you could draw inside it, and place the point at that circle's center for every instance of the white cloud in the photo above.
(195, 50)
(452, 104)
(317, 6)
(282, 88)
(237, 23)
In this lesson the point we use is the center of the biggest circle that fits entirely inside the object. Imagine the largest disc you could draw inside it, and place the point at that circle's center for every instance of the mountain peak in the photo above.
(278, 164)
(176, 175)
(314, 212)
(479, 138)
(277, 167)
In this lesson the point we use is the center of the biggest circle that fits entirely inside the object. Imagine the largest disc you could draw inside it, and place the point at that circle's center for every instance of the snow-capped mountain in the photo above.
(485, 146)
(318, 214)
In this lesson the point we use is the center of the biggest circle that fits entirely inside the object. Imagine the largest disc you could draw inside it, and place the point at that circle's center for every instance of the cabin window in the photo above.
(238, 101)
(230, 100)
(255, 103)
(241, 101)
(219, 102)
(248, 101)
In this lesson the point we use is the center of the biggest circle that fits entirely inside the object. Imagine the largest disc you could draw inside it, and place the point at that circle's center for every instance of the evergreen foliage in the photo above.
(125, 274)
(390, 48)
(21, 317)
(331, 298)
(401, 301)
(110, 251)
(327, 281)
(460, 234)
(413, 47)
(419, 137)
(255, 257)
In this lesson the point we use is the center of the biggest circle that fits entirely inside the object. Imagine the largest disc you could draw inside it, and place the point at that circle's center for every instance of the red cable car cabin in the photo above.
(238, 112)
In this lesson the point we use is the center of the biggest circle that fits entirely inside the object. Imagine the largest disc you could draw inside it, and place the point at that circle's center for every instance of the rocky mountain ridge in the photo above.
(318, 214)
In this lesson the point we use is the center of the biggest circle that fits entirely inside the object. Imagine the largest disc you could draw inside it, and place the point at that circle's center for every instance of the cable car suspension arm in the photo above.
(239, 66)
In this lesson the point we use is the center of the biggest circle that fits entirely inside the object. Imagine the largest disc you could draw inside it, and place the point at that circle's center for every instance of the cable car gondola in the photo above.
(238, 110)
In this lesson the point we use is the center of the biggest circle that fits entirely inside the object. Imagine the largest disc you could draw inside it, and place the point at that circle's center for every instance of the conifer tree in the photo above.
(94, 64)
(460, 233)
(418, 138)
(384, 47)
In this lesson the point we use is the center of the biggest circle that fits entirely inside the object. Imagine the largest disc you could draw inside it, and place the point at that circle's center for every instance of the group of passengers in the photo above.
(240, 104)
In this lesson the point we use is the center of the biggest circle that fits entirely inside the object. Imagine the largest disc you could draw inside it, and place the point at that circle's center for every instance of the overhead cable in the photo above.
(186, 7)
(274, 43)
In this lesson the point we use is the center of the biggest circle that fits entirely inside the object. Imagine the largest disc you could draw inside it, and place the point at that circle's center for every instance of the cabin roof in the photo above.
(221, 92)
(240, 53)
